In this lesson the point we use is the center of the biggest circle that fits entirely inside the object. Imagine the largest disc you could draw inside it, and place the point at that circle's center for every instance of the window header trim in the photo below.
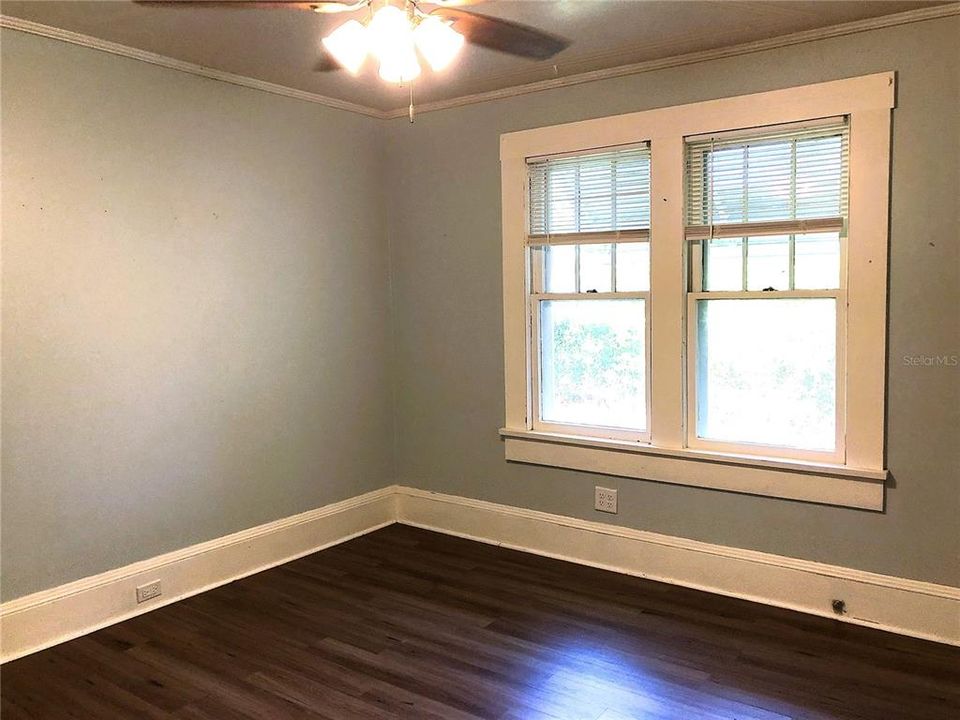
(803, 103)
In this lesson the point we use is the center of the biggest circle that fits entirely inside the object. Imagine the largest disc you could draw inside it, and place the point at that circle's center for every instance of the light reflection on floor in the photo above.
(591, 681)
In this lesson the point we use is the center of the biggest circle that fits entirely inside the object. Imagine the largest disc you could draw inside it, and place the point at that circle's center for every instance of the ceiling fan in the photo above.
(393, 31)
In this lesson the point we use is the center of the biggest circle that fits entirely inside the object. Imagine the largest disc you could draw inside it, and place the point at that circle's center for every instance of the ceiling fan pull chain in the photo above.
(410, 109)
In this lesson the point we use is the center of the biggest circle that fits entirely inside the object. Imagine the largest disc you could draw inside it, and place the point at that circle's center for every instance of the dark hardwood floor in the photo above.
(405, 623)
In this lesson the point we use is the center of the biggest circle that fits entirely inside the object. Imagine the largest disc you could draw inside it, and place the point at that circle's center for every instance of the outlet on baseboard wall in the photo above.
(149, 591)
(605, 499)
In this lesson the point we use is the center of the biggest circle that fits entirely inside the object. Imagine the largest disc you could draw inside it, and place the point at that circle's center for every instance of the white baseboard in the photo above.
(909, 607)
(49, 617)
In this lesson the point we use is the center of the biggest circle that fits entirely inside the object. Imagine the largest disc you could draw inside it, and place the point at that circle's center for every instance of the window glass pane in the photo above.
(723, 264)
(593, 363)
(633, 267)
(766, 372)
(768, 262)
(560, 273)
(817, 261)
(595, 268)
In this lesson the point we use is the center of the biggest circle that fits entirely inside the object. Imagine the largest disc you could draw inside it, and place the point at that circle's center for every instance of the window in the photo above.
(697, 294)
(589, 232)
(766, 230)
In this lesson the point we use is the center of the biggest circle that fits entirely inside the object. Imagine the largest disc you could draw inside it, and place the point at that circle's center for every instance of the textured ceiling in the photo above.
(283, 46)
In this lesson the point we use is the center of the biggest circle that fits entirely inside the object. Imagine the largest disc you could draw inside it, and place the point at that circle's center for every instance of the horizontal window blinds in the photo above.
(785, 179)
(598, 194)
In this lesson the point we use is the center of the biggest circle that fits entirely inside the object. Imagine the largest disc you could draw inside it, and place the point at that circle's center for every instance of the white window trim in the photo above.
(666, 457)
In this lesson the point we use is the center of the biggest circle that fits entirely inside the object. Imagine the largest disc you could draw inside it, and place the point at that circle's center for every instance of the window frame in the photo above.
(694, 441)
(667, 455)
(599, 431)
(697, 236)
(537, 293)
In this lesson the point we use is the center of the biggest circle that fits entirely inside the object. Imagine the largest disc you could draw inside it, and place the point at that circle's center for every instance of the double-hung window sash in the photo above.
(766, 217)
(588, 239)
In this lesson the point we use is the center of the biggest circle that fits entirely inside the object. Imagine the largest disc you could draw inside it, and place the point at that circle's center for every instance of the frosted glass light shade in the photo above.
(348, 45)
(438, 42)
(389, 32)
(399, 66)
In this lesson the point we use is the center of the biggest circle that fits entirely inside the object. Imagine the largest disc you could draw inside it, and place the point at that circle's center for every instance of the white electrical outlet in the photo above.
(148, 591)
(605, 499)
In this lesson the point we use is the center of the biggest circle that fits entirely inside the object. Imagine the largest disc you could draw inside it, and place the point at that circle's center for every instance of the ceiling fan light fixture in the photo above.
(400, 65)
(437, 42)
(389, 32)
(348, 45)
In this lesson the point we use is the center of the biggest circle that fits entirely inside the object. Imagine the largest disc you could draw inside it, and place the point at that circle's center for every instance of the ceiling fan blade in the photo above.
(503, 35)
(326, 63)
(322, 6)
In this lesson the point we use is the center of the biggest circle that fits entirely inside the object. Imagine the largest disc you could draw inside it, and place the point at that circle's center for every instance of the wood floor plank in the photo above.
(405, 623)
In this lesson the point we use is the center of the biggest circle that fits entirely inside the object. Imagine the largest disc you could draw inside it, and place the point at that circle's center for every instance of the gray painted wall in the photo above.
(444, 230)
(195, 326)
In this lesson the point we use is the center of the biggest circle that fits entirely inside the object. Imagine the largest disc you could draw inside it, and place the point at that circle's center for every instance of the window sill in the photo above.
(772, 477)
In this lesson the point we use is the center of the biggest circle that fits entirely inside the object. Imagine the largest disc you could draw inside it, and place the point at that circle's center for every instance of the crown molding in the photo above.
(832, 31)
(74, 38)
